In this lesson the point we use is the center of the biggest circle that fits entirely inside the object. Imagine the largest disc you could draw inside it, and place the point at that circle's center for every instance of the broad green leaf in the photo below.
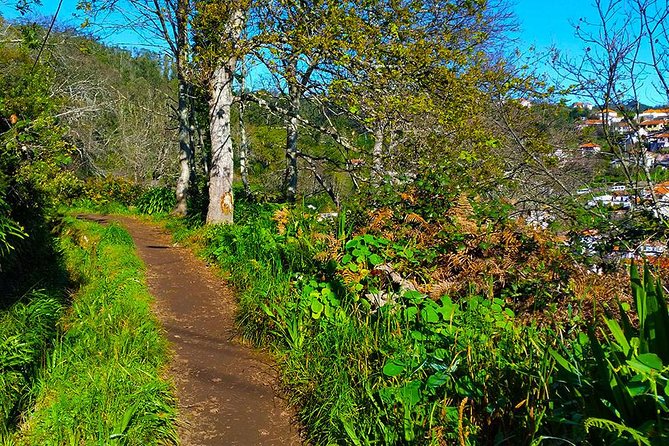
(646, 363)
(618, 335)
(435, 381)
(375, 259)
(393, 367)
(429, 314)
(411, 394)
(316, 306)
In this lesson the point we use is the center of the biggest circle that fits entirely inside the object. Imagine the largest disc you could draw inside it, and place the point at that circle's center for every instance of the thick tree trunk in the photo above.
(221, 204)
(244, 144)
(186, 152)
(186, 144)
(291, 146)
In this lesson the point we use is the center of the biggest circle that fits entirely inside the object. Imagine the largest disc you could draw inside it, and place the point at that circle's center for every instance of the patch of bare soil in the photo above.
(228, 393)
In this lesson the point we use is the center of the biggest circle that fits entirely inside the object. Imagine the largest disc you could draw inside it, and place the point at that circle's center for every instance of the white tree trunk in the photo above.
(186, 153)
(221, 202)
(291, 143)
(186, 143)
(244, 144)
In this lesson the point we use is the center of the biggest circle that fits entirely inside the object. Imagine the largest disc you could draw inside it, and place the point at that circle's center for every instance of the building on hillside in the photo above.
(658, 141)
(525, 102)
(610, 116)
(591, 123)
(653, 125)
(589, 148)
(662, 160)
(583, 105)
(661, 190)
(654, 113)
(622, 128)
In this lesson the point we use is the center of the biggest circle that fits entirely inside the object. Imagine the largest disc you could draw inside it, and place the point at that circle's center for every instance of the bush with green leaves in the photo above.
(415, 371)
(106, 190)
(614, 384)
(27, 330)
(157, 200)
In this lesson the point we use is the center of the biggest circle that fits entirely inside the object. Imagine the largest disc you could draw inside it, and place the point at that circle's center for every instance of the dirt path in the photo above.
(227, 392)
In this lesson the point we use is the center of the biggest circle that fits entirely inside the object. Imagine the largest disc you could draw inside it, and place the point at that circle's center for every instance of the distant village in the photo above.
(641, 141)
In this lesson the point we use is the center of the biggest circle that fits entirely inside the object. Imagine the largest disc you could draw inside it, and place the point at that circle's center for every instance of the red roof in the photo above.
(588, 145)
(653, 122)
(662, 188)
(656, 110)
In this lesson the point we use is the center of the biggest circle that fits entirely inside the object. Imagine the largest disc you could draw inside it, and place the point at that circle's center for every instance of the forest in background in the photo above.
(384, 187)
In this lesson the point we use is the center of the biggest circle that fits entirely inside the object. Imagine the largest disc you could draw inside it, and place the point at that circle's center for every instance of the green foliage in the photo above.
(27, 330)
(415, 371)
(102, 191)
(619, 379)
(9, 229)
(157, 200)
(102, 382)
(34, 160)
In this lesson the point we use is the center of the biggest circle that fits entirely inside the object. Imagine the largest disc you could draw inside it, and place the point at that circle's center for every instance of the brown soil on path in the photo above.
(227, 392)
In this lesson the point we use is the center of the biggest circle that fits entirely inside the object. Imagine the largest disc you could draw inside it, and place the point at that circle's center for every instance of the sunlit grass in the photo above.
(103, 383)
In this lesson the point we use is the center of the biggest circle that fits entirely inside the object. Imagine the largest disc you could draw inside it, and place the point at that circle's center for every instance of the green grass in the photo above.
(103, 382)
(27, 330)
(333, 361)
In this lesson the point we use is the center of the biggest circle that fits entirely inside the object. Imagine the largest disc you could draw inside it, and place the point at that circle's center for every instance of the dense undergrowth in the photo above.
(102, 381)
(514, 349)
(27, 331)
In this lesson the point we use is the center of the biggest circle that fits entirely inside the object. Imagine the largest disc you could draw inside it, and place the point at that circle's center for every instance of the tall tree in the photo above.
(165, 23)
(626, 55)
(219, 31)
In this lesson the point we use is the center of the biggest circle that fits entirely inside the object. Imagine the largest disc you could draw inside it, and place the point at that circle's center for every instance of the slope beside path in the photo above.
(227, 392)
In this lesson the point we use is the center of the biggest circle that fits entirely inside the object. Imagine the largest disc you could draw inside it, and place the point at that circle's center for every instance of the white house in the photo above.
(589, 148)
(653, 125)
(583, 105)
(610, 116)
(654, 113)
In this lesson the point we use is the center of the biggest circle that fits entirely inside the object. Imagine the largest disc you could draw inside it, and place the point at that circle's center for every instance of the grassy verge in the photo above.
(27, 330)
(467, 362)
(413, 372)
(102, 382)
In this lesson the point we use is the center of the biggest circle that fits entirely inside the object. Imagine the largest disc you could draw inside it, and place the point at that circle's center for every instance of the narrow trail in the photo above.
(227, 392)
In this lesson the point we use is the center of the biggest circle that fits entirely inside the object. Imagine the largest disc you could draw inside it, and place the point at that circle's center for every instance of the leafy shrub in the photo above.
(157, 200)
(26, 331)
(617, 381)
(110, 189)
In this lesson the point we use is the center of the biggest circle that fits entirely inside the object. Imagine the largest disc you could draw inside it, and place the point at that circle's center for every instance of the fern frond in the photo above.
(415, 218)
(379, 218)
(617, 428)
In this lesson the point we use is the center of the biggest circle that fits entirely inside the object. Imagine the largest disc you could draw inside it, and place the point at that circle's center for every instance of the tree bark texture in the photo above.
(377, 153)
(244, 144)
(186, 144)
(186, 152)
(221, 202)
(291, 145)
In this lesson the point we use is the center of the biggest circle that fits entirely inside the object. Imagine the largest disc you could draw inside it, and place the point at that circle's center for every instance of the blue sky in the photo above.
(549, 23)
(542, 24)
